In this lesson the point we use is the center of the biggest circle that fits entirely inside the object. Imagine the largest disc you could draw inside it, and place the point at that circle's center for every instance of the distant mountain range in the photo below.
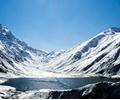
(99, 55)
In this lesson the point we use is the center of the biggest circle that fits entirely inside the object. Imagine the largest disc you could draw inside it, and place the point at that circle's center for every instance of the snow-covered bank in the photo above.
(99, 90)
(6, 91)
(103, 90)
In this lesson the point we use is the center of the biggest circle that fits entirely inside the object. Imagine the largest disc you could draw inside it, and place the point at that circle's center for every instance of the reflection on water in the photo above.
(24, 84)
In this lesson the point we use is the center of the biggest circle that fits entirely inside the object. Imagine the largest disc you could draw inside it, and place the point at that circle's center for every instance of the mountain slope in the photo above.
(16, 56)
(99, 55)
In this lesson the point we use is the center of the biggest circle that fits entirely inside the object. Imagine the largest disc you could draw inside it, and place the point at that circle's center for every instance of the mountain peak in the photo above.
(114, 29)
(4, 30)
(1, 26)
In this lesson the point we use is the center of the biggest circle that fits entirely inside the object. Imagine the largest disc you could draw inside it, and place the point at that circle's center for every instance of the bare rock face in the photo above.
(102, 90)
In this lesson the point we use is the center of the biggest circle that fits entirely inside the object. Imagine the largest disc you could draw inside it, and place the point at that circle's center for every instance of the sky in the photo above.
(58, 24)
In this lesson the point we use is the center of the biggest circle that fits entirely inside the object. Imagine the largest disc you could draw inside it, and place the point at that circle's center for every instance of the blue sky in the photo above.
(58, 24)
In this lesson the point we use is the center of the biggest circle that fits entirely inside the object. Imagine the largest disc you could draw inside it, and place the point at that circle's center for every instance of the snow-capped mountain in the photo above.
(15, 55)
(98, 55)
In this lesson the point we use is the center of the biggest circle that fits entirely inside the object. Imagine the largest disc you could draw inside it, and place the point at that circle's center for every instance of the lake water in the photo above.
(24, 84)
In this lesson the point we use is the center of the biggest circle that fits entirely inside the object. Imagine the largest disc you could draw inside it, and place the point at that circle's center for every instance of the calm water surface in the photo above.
(24, 84)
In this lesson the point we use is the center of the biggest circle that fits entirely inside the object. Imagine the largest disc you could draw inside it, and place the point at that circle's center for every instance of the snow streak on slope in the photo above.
(99, 55)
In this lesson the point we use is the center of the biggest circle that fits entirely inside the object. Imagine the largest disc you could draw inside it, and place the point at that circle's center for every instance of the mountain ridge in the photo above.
(18, 53)
(85, 57)
(98, 56)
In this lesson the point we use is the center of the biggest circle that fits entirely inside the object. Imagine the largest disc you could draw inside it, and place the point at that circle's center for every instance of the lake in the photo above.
(25, 84)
